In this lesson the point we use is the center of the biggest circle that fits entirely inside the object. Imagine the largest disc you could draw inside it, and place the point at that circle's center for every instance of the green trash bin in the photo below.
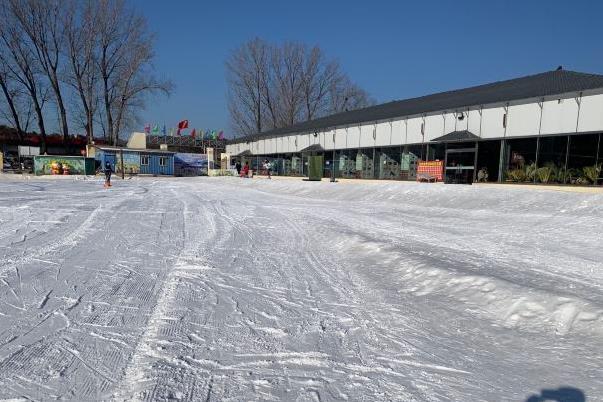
(315, 166)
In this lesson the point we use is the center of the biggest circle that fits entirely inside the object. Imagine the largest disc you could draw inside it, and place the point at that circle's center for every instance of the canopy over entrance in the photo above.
(313, 149)
(455, 136)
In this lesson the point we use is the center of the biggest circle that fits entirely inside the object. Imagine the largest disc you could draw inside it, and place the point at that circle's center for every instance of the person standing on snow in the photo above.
(238, 167)
(267, 166)
(108, 172)
(245, 172)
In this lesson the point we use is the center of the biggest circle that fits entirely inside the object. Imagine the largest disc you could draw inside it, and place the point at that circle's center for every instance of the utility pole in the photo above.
(121, 155)
(333, 168)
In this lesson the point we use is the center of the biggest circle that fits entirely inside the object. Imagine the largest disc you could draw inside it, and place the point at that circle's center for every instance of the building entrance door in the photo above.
(460, 164)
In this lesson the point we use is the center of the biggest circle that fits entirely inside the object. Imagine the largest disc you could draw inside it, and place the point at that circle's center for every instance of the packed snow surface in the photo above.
(231, 289)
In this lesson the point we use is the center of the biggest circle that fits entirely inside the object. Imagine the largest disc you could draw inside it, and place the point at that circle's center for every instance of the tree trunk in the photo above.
(109, 117)
(40, 118)
(62, 112)
(13, 109)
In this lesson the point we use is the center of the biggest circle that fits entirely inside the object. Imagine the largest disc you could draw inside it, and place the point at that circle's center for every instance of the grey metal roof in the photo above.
(533, 86)
(463, 135)
(313, 148)
(142, 151)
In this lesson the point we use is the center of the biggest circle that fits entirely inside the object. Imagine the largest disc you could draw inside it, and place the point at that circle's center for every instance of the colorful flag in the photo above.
(193, 133)
(156, 129)
(163, 130)
(147, 128)
(221, 135)
(171, 131)
(182, 125)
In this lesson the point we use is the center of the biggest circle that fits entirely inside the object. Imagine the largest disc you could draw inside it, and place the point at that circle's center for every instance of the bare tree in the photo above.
(81, 51)
(288, 66)
(246, 74)
(18, 56)
(42, 22)
(125, 56)
(12, 98)
(278, 86)
(344, 95)
(319, 77)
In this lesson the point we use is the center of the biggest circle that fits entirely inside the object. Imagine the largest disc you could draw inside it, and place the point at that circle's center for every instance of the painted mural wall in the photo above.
(62, 165)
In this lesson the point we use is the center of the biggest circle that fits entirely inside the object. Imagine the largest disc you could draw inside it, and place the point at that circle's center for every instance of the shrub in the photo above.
(516, 175)
(531, 171)
(591, 173)
(545, 174)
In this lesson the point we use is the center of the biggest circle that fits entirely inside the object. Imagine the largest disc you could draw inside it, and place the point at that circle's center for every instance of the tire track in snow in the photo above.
(132, 386)
(71, 239)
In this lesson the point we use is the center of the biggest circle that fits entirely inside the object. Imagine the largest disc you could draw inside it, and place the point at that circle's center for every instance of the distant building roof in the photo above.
(145, 151)
(534, 86)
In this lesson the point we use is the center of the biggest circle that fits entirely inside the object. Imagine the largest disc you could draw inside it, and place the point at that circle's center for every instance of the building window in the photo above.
(144, 160)
(162, 161)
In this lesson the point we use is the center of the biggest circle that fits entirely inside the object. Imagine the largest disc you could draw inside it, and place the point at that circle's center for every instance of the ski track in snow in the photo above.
(219, 289)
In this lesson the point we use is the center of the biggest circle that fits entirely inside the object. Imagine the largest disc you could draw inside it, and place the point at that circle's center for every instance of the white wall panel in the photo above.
(326, 139)
(434, 127)
(414, 130)
(303, 141)
(353, 137)
(340, 138)
(449, 122)
(559, 117)
(492, 122)
(523, 120)
(461, 125)
(591, 113)
(473, 121)
(383, 135)
(398, 132)
(366, 135)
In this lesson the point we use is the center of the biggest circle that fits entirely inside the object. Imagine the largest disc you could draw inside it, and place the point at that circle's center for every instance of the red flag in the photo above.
(183, 124)
(193, 133)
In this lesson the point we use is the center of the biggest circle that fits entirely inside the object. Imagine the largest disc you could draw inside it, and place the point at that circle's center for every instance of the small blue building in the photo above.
(136, 161)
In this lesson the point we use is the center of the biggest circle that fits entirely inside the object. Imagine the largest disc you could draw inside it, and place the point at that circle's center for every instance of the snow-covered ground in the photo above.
(230, 289)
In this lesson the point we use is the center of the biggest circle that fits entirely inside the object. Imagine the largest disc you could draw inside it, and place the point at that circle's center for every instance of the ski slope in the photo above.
(224, 289)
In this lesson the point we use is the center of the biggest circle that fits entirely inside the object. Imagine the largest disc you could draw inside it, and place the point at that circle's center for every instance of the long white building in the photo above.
(553, 119)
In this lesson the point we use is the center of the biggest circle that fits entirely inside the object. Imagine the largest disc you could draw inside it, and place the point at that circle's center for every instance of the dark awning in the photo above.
(313, 148)
(244, 153)
(454, 136)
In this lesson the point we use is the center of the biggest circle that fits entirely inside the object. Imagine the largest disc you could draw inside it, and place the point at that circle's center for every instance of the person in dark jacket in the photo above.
(238, 167)
(108, 172)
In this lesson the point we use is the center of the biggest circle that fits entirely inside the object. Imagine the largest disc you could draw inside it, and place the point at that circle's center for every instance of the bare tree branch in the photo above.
(278, 86)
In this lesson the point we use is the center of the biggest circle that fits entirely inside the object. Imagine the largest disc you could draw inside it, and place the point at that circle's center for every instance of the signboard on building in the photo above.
(224, 161)
(25, 150)
(211, 159)
(63, 165)
(433, 169)
(186, 164)
(131, 162)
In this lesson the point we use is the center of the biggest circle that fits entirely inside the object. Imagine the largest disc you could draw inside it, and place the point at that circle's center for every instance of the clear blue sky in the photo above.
(393, 49)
